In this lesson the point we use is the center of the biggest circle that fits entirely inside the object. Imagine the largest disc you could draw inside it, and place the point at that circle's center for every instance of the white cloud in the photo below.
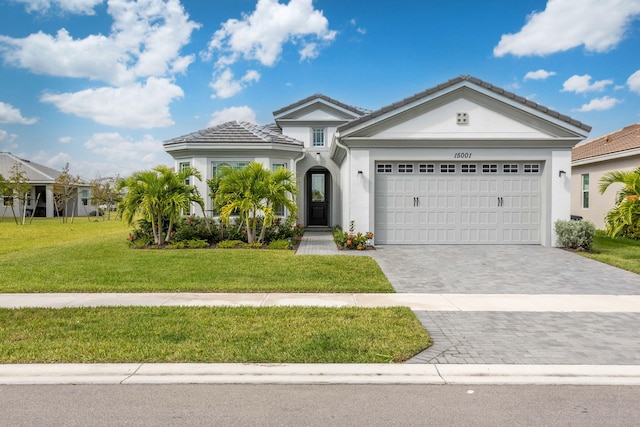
(145, 40)
(261, 36)
(360, 30)
(64, 139)
(539, 75)
(82, 7)
(123, 155)
(634, 82)
(600, 104)
(10, 114)
(582, 84)
(225, 86)
(134, 106)
(243, 113)
(565, 24)
(6, 140)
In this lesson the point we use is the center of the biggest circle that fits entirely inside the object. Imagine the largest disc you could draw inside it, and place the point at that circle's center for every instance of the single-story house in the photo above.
(464, 162)
(617, 151)
(40, 201)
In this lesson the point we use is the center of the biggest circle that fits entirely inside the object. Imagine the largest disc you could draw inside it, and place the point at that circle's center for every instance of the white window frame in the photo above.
(315, 134)
(584, 183)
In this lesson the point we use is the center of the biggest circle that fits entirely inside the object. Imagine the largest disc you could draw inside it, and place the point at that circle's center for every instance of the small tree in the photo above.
(104, 193)
(17, 187)
(65, 192)
(624, 219)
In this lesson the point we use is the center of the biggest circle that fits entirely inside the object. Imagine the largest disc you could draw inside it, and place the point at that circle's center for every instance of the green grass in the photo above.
(203, 334)
(48, 256)
(622, 253)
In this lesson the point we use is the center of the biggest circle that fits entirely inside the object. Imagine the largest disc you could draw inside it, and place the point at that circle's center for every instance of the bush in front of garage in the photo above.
(576, 235)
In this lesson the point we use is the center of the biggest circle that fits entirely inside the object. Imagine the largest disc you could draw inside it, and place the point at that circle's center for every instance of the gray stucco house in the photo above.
(41, 178)
(464, 162)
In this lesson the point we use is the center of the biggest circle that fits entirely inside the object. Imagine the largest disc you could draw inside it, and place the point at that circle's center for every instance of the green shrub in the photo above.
(231, 244)
(575, 234)
(254, 245)
(196, 228)
(189, 244)
(351, 239)
(279, 244)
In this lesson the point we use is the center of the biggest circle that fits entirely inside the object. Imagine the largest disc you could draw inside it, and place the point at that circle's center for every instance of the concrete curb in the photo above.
(237, 373)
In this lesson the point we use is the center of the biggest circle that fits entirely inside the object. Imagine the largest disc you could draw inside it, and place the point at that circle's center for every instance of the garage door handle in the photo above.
(500, 201)
(417, 201)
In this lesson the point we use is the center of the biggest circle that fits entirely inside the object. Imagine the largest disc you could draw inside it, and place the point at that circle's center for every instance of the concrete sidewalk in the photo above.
(416, 302)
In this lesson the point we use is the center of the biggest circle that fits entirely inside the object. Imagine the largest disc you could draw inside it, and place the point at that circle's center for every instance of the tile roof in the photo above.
(477, 82)
(35, 172)
(624, 139)
(355, 110)
(239, 133)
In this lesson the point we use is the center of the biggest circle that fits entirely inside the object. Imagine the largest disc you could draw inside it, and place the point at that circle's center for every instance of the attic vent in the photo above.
(462, 118)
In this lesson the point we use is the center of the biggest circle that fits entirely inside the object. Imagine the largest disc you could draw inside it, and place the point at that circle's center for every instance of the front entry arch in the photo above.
(318, 187)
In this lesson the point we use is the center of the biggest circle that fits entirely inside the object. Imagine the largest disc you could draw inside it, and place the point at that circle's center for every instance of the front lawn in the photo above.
(48, 256)
(621, 252)
(204, 334)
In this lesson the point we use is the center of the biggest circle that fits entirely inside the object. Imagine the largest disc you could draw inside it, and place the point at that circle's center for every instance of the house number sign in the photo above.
(462, 156)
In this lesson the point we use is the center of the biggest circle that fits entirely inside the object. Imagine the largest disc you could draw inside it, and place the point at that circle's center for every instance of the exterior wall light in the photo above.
(561, 173)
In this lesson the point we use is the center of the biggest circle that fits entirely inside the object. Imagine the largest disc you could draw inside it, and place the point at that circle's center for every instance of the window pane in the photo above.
(318, 137)
(317, 187)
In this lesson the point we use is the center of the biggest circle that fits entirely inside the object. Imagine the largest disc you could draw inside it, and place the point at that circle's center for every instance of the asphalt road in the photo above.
(318, 405)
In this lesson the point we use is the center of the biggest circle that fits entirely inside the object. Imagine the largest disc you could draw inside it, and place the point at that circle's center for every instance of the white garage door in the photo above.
(459, 203)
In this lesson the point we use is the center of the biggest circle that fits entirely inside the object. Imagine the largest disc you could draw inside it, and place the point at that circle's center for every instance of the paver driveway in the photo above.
(577, 338)
(500, 269)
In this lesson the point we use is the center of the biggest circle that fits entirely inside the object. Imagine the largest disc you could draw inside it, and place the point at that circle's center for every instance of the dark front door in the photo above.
(318, 196)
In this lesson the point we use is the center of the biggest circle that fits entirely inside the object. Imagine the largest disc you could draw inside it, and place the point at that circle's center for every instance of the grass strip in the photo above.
(95, 257)
(205, 334)
(621, 252)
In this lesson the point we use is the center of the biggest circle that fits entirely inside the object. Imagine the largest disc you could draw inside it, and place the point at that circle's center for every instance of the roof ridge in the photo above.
(353, 109)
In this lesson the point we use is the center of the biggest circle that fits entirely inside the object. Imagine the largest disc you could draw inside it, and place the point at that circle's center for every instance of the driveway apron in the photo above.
(468, 337)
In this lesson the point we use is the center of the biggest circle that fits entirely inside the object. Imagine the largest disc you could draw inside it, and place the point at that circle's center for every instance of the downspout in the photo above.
(336, 140)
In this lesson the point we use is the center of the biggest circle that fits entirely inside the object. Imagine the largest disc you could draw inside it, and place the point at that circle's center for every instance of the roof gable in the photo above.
(35, 172)
(318, 107)
(537, 118)
(625, 139)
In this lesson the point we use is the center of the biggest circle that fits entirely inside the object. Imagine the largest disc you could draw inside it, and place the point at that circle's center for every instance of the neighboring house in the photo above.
(464, 162)
(617, 151)
(41, 179)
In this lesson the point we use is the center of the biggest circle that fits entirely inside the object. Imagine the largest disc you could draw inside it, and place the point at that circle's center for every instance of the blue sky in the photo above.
(99, 84)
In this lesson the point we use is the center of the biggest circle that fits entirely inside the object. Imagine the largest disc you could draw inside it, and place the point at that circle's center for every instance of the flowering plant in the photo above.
(351, 239)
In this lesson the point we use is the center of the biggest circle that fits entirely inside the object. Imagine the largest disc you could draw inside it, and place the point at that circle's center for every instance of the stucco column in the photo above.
(560, 189)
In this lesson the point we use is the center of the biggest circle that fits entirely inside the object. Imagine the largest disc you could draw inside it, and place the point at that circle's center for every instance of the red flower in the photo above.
(244, 232)
(349, 242)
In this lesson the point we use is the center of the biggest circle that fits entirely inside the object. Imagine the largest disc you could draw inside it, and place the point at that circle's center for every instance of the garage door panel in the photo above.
(464, 206)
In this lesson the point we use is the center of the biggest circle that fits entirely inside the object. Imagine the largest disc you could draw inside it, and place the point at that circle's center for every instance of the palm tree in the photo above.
(159, 196)
(624, 218)
(253, 191)
(281, 190)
